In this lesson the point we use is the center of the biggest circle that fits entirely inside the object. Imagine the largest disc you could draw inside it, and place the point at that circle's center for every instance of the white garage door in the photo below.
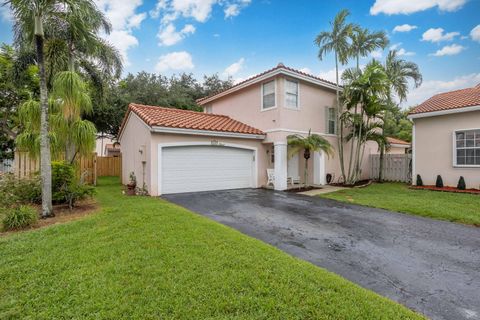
(205, 168)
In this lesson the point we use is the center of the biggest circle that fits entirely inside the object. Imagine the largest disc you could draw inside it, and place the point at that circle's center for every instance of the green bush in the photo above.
(15, 191)
(461, 184)
(439, 182)
(20, 218)
(419, 181)
(65, 186)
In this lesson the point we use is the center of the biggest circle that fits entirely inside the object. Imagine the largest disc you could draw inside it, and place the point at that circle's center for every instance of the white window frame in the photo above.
(274, 92)
(327, 129)
(285, 94)
(454, 152)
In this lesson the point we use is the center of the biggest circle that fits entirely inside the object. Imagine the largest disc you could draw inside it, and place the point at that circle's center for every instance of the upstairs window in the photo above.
(268, 95)
(291, 94)
(467, 147)
(331, 120)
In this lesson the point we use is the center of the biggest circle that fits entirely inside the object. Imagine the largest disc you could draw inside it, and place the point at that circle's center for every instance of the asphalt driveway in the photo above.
(430, 266)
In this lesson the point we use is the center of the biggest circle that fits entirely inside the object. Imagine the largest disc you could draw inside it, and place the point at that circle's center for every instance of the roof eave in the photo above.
(212, 133)
(442, 112)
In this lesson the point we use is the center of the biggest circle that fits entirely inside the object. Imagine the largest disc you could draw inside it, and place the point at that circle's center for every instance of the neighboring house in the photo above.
(102, 141)
(446, 138)
(398, 146)
(112, 150)
(241, 133)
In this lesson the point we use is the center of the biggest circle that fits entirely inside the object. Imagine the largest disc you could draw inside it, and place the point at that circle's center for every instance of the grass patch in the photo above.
(455, 207)
(145, 258)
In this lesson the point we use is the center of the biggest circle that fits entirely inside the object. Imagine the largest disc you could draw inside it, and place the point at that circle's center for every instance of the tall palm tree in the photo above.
(337, 41)
(398, 72)
(310, 143)
(363, 42)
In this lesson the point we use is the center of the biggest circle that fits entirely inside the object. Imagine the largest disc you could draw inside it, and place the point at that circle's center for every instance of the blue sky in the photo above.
(240, 38)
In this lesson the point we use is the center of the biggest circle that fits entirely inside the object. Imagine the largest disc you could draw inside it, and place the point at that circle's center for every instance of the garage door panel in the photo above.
(205, 168)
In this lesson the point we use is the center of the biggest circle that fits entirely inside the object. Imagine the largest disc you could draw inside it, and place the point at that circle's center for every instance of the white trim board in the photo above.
(208, 133)
(443, 112)
(299, 132)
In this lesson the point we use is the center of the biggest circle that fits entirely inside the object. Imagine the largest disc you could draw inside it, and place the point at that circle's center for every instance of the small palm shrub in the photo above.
(65, 186)
(20, 218)
(461, 184)
(419, 181)
(439, 182)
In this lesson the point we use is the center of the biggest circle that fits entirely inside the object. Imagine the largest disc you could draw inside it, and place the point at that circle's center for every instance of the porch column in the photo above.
(280, 151)
(318, 168)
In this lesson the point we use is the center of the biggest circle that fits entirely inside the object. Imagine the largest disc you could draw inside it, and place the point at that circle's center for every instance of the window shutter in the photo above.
(326, 120)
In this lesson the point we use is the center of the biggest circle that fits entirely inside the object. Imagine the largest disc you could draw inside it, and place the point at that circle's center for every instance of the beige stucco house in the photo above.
(446, 138)
(241, 133)
(398, 146)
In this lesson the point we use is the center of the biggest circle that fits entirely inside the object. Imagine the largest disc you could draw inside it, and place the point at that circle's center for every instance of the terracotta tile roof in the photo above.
(397, 141)
(186, 119)
(279, 66)
(450, 100)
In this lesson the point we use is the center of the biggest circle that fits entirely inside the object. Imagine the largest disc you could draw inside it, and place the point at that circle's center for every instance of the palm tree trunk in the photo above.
(45, 157)
(339, 124)
(382, 149)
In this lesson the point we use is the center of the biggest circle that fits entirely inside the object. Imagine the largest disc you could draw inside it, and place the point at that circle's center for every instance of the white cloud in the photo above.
(169, 36)
(404, 28)
(432, 87)
(411, 6)
(449, 50)
(124, 18)
(231, 10)
(403, 52)
(437, 35)
(475, 33)
(377, 54)
(330, 75)
(234, 68)
(180, 60)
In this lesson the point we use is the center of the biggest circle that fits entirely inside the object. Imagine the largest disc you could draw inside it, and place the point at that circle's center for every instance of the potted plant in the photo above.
(132, 184)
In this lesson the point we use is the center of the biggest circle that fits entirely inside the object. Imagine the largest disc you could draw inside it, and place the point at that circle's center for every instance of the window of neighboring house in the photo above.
(331, 117)
(467, 147)
(291, 94)
(268, 95)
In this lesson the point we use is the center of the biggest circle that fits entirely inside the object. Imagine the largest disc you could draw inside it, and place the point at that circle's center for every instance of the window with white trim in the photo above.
(467, 147)
(331, 121)
(291, 94)
(268, 95)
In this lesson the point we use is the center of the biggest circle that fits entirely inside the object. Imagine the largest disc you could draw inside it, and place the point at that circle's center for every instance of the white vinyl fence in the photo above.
(396, 167)
(6, 165)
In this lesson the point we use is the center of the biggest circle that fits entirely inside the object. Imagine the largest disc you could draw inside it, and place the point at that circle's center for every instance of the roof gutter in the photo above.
(207, 133)
(442, 112)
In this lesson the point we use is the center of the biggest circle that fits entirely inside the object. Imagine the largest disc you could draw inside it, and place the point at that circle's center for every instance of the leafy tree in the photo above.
(308, 144)
(213, 84)
(397, 125)
(337, 41)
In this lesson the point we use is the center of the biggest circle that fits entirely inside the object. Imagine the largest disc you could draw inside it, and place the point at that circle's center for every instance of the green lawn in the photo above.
(145, 258)
(463, 208)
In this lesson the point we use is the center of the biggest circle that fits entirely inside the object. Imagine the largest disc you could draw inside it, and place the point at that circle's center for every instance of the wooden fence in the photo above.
(396, 167)
(109, 166)
(90, 167)
(25, 166)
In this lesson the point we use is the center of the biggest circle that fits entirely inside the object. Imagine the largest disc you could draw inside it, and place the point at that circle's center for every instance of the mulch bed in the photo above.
(63, 214)
(302, 189)
(447, 189)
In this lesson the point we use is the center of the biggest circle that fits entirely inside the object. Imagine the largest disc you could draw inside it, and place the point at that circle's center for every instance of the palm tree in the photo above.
(337, 40)
(398, 72)
(363, 42)
(310, 143)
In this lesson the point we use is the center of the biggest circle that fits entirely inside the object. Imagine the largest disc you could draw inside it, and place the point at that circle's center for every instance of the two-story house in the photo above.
(241, 133)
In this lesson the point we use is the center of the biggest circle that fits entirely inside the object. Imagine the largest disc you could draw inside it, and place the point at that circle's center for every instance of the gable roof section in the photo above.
(279, 69)
(450, 102)
(163, 117)
(398, 141)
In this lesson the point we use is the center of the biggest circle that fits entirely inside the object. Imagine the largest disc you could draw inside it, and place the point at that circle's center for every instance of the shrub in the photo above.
(461, 184)
(20, 218)
(15, 191)
(439, 182)
(65, 186)
(419, 181)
